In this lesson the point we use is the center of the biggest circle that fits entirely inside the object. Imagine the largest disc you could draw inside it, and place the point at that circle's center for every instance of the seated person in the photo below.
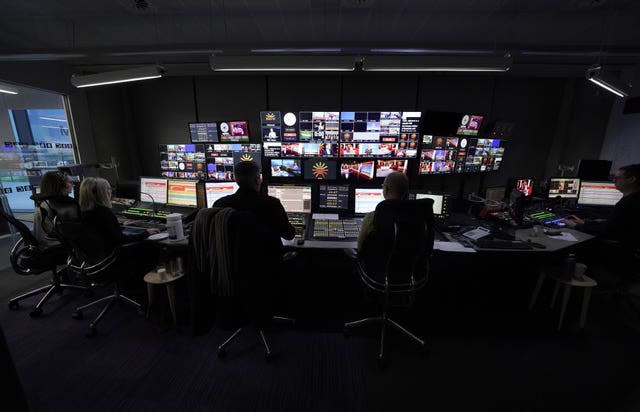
(95, 204)
(395, 186)
(268, 210)
(624, 224)
(52, 183)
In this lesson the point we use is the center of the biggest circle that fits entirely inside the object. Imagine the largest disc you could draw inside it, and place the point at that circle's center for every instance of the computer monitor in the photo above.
(594, 170)
(217, 190)
(320, 169)
(440, 203)
(367, 200)
(153, 189)
(295, 199)
(204, 132)
(598, 194)
(564, 187)
(333, 198)
(524, 186)
(182, 193)
(285, 168)
(495, 194)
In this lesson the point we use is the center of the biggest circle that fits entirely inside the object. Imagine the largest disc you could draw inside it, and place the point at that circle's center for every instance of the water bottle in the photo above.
(174, 226)
(569, 266)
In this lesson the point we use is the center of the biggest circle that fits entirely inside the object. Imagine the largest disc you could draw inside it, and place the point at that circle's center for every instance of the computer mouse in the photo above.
(536, 245)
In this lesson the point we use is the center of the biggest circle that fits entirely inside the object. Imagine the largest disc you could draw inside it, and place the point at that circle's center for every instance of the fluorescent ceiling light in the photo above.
(435, 64)
(165, 52)
(428, 51)
(596, 76)
(282, 63)
(118, 76)
(295, 50)
(5, 88)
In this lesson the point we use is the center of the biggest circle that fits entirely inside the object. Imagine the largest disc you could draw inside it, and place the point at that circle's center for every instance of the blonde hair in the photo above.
(94, 191)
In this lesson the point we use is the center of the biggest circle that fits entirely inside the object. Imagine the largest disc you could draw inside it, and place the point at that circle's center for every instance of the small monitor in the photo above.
(320, 169)
(285, 168)
(367, 199)
(182, 193)
(595, 170)
(598, 194)
(495, 194)
(218, 190)
(564, 187)
(153, 189)
(440, 203)
(234, 131)
(204, 132)
(524, 186)
(333, 197)
(295, 199)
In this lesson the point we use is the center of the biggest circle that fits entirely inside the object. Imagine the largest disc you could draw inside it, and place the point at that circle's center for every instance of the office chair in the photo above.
(28, 257)
(394, 261)
(244, 286)
(98, 268)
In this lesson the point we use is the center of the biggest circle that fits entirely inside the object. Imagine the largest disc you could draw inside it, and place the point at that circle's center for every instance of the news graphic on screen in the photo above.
(218, 190)
(221, 158)
(354, 171)
(319, 126)
(367, 199)
(182, 193)
(470, 125)
(385, 167)
(564, 187)
(439, 203)
(525, 186)
(289, 127)
(333, 197)
(248, 156)
(410, 128)
(234, 131)
(271, 124)
(364, 126)
(272, 149)
(484, 155)
(204, 132)
(153, 187)
(295, 199)
(285, 168)
(438, 155)
(183, 161)
(320, 169)
(368, 149)
(598, 194)
(309, 149)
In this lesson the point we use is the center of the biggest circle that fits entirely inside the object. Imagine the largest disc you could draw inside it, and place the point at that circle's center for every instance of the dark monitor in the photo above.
(182, 193)
(333, 198)
(495, 194)
(598, 194)
(153, 189)
(320, 169)
(295, 199)
(564, 187)
(524, 186)
(204, 132)
(440, 203)
(594, 169)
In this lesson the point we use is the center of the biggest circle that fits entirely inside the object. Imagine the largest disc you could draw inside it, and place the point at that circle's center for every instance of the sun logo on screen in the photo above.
(270, 117)
(246, 158)
(320, 170)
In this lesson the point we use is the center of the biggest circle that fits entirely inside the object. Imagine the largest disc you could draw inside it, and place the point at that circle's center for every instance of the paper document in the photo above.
(452, 247)
(565, 236)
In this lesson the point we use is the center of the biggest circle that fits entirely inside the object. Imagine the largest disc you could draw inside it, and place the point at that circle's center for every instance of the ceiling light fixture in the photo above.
(595, 75)
(282, 63)
(297, 50)
(436, 64)
(5, 88)
(118, 76)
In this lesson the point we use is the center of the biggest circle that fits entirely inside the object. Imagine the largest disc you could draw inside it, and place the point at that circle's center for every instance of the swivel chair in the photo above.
(98, 268)
(394, 261)
(244, 287)
(28, 257)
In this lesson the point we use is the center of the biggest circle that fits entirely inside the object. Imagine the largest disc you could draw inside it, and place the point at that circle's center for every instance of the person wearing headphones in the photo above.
(395, 186)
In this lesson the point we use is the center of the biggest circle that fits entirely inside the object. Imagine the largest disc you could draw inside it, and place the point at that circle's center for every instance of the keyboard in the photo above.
(331, 229)
(501, 244)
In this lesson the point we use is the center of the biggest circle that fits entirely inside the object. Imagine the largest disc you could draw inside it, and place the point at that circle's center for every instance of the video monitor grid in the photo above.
(484, 155)
(182, 161)
(357, 171)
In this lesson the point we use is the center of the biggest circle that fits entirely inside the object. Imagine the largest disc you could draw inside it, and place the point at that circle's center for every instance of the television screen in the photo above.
(367, 200)
(470, 124)
(203, 132)
(295, 199)
(221, 158)
(333, 197)
(525, 186)
(184, 161)
(285, 168)
(564, 187)
(385, 167)
(320, 169)
(271, 124)
(357, 171)
(217, 190)
(598, 194)
(310, 149)
(181, 193)
(439, 203)
(234, 131)
(319, 126)
(484, 155)
(153, 189)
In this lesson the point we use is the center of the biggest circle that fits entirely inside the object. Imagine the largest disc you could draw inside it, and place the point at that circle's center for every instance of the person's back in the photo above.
(52, 184)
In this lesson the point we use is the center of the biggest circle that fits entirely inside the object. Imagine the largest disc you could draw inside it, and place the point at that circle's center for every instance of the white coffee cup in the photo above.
(581, 269)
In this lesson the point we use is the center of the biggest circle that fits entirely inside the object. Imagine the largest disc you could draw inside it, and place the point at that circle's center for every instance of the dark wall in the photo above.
(160, 110)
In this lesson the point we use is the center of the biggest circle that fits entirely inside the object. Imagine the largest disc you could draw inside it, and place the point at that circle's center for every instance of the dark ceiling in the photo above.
(547, 32)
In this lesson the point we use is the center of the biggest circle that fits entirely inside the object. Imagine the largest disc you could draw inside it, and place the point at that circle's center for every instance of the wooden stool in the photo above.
(152, 278)
(587, 283)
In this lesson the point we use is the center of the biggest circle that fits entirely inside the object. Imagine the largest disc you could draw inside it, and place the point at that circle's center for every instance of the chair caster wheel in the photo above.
(35, 312)
(91, 332)
(222, 353)
(88, 293)
(268, 357)
(13, 305)
(77, 315)
(382, 363)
